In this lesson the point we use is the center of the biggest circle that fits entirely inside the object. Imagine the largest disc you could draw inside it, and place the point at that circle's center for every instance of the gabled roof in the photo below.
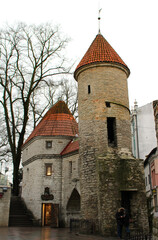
(153, 151)
(58, 121)
(71, 147)
(100, 51)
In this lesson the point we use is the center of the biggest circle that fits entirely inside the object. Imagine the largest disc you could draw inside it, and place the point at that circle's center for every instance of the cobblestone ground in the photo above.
(15, 233)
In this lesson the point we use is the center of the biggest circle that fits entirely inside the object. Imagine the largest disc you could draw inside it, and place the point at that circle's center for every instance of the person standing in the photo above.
(120, 218)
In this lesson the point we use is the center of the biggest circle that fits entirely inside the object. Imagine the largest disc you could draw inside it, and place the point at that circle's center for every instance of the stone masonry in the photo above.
(117, 172)
(5, 194)
(108, 170)
(106, 86)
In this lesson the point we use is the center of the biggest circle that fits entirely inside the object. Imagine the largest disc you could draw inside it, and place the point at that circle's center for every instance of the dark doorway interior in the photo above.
(125, 201)
(74, 201)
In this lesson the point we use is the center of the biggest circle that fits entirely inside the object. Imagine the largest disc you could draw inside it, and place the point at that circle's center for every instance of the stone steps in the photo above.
(19, 216)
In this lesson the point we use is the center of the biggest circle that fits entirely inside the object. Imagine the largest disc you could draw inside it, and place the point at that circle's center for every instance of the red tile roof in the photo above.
(58, 121)
(100, 51)
(71, 147)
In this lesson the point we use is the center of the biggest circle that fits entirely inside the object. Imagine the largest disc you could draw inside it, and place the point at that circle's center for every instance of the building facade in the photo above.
(5, 195)
(60, 183)
(51, 187)
(143, 130)
(151, 167)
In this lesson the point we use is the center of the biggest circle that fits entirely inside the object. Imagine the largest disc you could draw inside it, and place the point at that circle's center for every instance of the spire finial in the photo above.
(99, 20)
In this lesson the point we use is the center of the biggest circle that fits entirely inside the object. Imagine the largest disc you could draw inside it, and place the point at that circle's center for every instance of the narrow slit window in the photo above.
(111, 128)
(70, 169)
(89, 89)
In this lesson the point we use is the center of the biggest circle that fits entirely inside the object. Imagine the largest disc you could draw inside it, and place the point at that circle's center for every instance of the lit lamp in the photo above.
(49, 171)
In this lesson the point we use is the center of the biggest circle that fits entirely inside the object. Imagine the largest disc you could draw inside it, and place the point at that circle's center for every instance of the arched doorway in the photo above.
(74, 201)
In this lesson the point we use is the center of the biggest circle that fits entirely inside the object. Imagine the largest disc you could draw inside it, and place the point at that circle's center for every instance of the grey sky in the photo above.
(130, 26)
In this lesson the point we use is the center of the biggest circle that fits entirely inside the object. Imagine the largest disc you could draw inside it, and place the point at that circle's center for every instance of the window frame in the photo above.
(47, 144)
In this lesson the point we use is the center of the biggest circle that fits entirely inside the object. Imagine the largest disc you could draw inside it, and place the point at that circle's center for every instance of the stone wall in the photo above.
(70, 181)
(37, 146)
(35, 181)
(155, 228)
(108, 98)
(35, 157)
(89, 185)
(108, 84)
(61, 183)
(4, 208)
(119, 173)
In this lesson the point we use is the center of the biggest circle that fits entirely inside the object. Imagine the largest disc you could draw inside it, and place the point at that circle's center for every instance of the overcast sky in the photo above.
(130, 26)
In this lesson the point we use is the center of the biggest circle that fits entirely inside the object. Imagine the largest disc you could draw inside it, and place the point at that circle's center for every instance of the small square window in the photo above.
(48, 168)
(48, 144)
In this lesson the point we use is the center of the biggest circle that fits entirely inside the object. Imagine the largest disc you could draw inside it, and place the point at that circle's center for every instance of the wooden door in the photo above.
(50, 214)
(47, 214)
(55, 215)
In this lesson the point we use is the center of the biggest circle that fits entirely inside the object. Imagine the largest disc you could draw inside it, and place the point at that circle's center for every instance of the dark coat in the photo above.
(120, 217)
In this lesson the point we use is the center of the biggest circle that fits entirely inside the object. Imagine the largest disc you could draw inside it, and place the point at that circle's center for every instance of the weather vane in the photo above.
(99, 20)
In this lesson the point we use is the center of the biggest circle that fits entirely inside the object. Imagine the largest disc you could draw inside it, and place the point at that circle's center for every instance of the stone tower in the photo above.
(110, 176)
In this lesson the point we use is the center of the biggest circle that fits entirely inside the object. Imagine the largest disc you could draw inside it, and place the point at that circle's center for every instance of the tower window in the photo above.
(107, 104)
(89, 89)
(111, 127)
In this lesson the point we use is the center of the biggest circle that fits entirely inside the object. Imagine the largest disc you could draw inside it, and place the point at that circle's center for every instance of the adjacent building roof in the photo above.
(100, 51)
(58, 121)
(70, 148)
(153, 151)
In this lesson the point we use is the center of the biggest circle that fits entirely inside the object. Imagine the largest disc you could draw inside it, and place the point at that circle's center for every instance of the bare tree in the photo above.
(68, 92)
(4, 146)
(30, 58)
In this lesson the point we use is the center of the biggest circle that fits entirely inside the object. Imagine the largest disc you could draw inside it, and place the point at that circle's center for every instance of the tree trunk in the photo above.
(16, 179)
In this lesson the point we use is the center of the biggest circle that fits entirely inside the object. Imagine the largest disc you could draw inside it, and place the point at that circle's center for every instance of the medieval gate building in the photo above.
(110, 176)
(104, 175)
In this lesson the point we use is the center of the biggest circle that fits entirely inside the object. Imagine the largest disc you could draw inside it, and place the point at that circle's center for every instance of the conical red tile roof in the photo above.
(100, 51)
(58, 121)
